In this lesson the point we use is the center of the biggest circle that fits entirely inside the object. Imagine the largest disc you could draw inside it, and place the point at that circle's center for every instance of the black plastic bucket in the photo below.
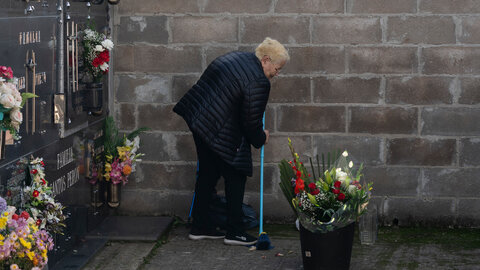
(327, 251)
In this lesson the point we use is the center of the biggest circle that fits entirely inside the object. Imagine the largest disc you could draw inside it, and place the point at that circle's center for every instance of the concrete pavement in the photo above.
(396, 248)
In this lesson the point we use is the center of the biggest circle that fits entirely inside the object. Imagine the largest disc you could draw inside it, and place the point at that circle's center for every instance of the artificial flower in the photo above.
(121, 154)
(96, 53)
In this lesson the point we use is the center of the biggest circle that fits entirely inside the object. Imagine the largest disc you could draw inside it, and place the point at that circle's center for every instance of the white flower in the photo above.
(15, 125)
(351, 189)
(89, 34)
(342, 176)
(99, 48)
(350, 164)
(34, 212)
(16, 115)
(7, 100)
(107, 44)
(11, 210)
(135, 144)
(104, 67)
(345, 153)
(5, 89)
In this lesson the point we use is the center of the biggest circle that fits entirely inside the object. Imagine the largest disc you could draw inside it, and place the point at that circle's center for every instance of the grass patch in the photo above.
(448, 238)
(163, 239)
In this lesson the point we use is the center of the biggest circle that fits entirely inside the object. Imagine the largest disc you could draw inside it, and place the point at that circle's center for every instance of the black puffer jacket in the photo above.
(225, 107)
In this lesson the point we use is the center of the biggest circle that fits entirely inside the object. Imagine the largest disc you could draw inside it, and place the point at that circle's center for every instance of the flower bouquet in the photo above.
(120, 152)
(326, 206)
(39, 201)
(11, 102)
(96, 53)
(330, 201)
(22, 244)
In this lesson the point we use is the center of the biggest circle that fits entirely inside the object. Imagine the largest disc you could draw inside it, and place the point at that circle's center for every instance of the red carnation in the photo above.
(341, 197)
(336, 191)
(337, 184)
(105, 56)
(15, 217)
(34, 171)
(39, 221)
(315, 191)
(299, 174)
(35, 193)
(97, 61)
(24, 215)
(312, 186)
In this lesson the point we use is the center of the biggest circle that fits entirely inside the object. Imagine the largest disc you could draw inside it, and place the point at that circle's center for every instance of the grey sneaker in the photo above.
(199, 234)
(240, 239)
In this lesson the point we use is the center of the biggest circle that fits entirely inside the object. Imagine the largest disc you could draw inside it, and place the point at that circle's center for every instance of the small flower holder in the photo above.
(113, 194)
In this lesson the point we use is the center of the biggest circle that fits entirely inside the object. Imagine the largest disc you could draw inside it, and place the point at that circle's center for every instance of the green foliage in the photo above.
(26, 96)
(112, 139)
(286, 176)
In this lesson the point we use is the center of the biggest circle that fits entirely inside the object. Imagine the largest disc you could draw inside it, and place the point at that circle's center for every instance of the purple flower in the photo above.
(3, 205)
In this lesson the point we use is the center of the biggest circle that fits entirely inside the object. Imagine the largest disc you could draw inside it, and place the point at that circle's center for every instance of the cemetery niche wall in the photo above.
(40, 41)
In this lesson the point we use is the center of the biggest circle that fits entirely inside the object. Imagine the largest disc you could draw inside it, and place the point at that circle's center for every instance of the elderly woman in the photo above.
(224, 111)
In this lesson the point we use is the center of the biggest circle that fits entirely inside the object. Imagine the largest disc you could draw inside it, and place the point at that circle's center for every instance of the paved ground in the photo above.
(417, 248)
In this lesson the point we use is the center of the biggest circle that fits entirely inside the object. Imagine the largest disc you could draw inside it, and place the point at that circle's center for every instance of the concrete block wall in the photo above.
(394, 82)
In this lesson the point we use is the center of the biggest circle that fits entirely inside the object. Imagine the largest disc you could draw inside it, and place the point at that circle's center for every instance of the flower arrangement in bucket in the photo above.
(39, 200)
(11, 102)
(326, 206)
(22, 244)
(121, 155)
(330, 201)
(96, 53)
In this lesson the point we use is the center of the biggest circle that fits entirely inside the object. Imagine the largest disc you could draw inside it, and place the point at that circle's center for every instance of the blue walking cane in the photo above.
(263, 241)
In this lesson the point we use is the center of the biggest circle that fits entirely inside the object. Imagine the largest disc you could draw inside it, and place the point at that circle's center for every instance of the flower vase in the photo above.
(2, 144)
(367, 225)
(331, 250)
(113, 194)
(95, 195)
(93, 98)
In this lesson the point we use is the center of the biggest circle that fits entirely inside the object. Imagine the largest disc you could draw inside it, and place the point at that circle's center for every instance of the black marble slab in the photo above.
(131, 228)
(69, 146)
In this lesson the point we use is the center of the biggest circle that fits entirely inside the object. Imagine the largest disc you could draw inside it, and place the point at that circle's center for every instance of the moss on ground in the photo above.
(448, 238)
